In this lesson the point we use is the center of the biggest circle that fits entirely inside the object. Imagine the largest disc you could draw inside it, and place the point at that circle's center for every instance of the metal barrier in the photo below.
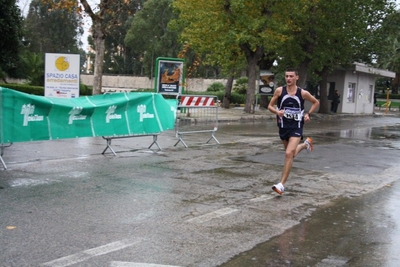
(109, 138)
(2, 146)
(196, 114)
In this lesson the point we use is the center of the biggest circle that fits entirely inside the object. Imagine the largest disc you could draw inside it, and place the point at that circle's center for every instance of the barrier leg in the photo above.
(180, 139)
(212, 137)
(108, 146)
(2, 162)
(2, 146)
(155, 142)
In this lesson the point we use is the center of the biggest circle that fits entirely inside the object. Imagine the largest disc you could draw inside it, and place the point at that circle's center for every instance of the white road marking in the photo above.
(212, 215)
(135, 264)
(90, 253)
(262, 198)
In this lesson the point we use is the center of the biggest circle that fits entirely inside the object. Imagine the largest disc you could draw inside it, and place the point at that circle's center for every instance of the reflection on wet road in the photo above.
(364, 231)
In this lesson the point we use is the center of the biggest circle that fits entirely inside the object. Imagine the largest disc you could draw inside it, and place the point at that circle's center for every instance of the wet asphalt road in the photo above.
(65, 204)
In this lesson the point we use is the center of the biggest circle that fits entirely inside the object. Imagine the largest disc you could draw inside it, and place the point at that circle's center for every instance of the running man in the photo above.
(291, 117)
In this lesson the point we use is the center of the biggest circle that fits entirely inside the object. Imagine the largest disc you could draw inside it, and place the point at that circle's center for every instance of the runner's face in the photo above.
(291, 78)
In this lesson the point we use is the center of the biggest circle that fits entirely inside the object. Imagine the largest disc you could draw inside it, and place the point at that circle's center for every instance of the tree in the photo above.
(104, 16)
(232, 31)
(150, 37)
(119, 59)
(52, 30)
(11, 35)
(321, 41)
(389, 56)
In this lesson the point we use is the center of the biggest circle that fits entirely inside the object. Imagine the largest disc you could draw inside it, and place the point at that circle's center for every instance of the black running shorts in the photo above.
(286, 133)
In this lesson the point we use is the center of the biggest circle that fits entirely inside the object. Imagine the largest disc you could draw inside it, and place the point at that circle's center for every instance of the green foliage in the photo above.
(85, 89)
(240, 85)
(39, 90)
(10, 35)
(216, 87)
(120, 59)
(25, 88)
(52, 30)
(34, 67)
(150, 37)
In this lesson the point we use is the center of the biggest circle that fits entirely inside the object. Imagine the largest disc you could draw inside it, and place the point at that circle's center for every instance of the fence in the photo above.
(196, 114)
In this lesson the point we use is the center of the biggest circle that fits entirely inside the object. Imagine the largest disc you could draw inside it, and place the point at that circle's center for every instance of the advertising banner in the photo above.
(26, 117)
(61, 77)
(170, 75)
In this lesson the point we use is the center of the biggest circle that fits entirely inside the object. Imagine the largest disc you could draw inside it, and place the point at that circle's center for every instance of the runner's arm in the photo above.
(272, 102)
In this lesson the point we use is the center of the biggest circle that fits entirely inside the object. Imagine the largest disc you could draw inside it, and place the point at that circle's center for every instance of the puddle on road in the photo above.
(363, 231)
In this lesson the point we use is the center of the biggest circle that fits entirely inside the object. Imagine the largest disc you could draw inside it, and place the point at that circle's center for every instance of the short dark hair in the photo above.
(292, 70)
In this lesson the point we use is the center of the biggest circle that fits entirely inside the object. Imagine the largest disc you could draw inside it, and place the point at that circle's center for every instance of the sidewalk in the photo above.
(237, 114)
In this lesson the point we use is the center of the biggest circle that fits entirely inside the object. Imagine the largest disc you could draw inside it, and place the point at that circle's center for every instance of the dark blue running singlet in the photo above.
(293, 107)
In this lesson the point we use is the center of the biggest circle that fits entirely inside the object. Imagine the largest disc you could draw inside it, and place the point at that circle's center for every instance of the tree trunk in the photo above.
(303, 75)
(264, 101)
(252, 57)
(99, 41)
(323, 104)
(228, 92)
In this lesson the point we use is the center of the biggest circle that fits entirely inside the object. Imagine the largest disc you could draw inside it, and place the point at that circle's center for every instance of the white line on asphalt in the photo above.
(134, 264)
(261, 198)
(90, 253)
(212, 215)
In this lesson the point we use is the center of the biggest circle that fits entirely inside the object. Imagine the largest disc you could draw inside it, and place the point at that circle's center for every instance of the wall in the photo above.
(363, 97)
(132, 83)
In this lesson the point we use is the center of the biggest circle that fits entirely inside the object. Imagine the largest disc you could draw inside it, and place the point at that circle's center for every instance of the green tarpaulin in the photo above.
(25, 117)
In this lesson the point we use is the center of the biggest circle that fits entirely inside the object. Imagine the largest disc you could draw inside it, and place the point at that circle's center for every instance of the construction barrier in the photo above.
(25, 117)
(109, 138)
(196, 114)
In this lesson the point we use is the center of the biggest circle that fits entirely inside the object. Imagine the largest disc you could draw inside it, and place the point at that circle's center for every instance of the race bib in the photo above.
(293, 114)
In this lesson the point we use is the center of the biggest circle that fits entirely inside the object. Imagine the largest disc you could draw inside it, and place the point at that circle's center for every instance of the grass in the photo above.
(392, 105)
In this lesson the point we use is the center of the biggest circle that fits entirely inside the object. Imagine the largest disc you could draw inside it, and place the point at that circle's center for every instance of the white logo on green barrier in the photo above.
(111, 114)
(28, 110)
(75, 115)
(141, 109)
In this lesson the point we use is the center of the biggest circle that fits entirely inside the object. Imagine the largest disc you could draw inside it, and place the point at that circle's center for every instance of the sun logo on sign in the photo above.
(62, 63)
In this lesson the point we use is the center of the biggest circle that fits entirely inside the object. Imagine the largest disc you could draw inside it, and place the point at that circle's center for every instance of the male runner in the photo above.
(291, 117)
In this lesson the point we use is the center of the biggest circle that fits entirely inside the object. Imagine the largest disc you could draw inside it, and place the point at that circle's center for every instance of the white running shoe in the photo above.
(309, 144)
(278, 188)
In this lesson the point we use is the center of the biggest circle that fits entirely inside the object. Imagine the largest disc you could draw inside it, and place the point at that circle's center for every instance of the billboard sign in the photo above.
(170, 75)
(267, 83)
(61, 77)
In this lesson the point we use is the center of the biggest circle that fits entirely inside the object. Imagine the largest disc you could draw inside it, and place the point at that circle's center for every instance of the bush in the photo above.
(240, 86)
(39, 90)
(25, 88)
(216, 87)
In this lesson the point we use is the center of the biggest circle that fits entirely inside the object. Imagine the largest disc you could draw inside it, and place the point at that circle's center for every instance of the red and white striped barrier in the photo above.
(194, 101)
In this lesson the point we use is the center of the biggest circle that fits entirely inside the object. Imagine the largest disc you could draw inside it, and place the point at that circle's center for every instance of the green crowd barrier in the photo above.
(26, 117)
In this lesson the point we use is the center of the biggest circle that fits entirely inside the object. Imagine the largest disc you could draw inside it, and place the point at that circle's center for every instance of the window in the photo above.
(351, 91)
